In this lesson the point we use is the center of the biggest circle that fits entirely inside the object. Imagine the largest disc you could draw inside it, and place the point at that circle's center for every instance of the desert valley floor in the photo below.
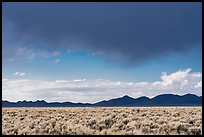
(102, 121)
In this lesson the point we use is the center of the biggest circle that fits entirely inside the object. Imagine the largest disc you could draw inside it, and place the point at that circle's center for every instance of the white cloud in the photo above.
(56, 53)
(20, 74)
(179, 76)
(56, 60)
(32, 53)
(11, 59)
(16, 73)
(96, 53)
(4, 79)
(199, 85)
(79, 80)
(82, 90)
(60, 81)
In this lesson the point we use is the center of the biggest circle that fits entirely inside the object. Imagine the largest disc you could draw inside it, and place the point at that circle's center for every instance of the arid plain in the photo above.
(102, 121)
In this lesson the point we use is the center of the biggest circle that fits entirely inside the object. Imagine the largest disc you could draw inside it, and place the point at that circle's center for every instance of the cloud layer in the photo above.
(180, 82)
(131, 32)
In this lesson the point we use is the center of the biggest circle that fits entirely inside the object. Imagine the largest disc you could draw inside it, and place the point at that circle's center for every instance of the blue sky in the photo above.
(80, 64)
(126, 42)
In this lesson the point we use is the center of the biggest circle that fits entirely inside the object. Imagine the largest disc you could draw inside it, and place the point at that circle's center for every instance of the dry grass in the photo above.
(97, 120)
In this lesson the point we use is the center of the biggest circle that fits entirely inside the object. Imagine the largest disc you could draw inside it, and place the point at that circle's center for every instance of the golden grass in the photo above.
(102, 121)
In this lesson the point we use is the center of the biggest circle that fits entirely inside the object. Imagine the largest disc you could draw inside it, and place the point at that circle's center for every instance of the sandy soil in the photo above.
(97, 120)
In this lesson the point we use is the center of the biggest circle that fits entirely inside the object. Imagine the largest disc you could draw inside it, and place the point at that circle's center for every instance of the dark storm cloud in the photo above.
(131, 31)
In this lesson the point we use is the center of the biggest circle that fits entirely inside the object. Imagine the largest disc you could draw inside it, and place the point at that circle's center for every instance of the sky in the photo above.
(89, 52)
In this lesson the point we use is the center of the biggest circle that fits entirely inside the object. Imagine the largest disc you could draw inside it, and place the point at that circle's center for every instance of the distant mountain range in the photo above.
(125, 101)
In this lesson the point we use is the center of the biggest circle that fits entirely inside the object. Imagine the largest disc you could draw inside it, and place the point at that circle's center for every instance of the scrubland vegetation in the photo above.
(102, 121)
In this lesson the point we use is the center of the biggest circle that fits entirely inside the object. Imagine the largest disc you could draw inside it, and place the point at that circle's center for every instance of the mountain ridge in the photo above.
(125, 101)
